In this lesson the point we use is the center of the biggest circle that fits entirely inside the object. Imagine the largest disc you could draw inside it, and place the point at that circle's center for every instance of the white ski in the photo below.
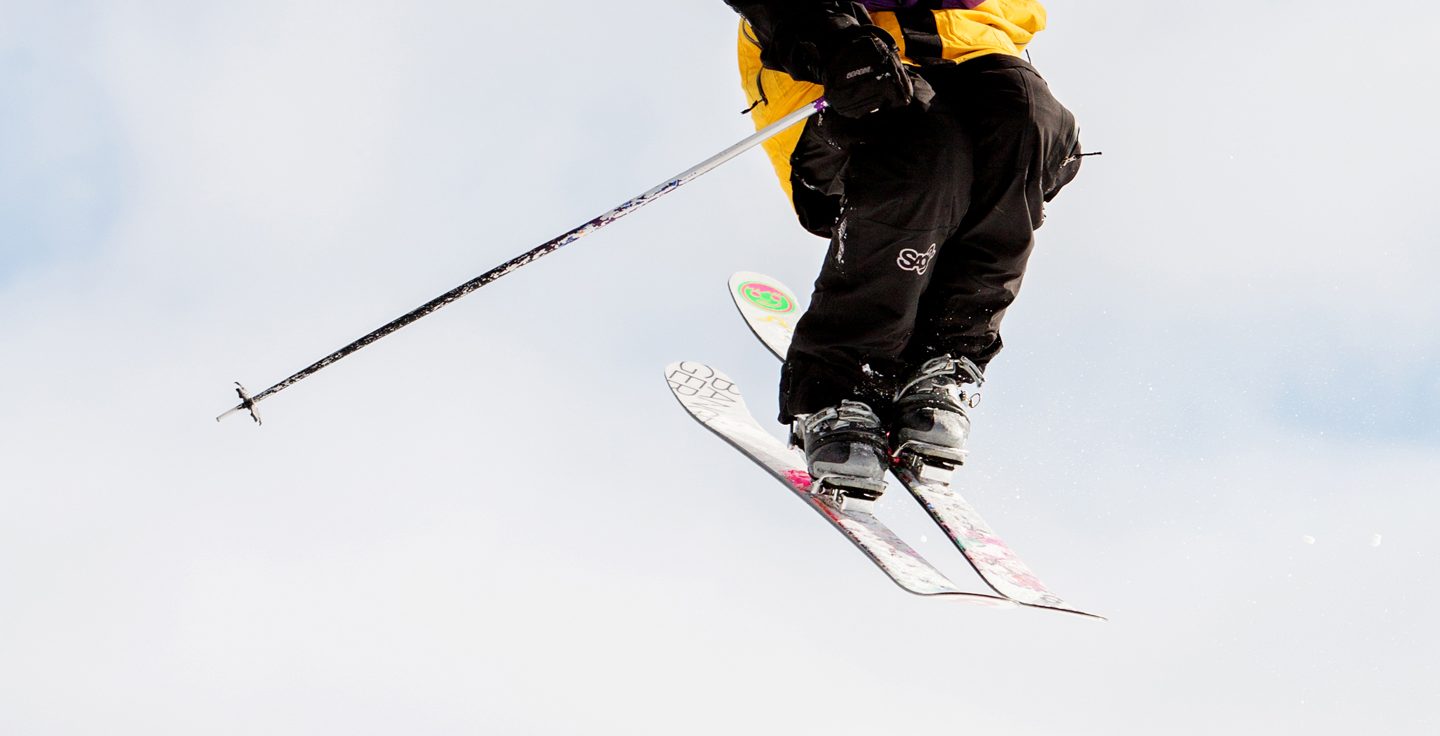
(771, 310)
(715, 401)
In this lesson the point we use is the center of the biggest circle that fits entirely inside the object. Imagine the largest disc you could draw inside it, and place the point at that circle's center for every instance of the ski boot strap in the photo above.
(963, 370)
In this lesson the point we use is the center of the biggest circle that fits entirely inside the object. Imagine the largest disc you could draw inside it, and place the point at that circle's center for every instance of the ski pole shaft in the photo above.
(248, 402)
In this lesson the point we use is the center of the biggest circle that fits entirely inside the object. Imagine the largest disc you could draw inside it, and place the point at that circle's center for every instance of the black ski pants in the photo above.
(938, 210)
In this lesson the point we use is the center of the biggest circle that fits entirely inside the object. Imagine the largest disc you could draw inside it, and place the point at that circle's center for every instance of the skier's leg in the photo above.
(1024, 143)
(1026, 146)
(905, 184)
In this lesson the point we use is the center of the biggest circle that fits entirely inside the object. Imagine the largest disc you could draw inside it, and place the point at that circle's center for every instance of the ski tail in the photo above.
(1001, 569)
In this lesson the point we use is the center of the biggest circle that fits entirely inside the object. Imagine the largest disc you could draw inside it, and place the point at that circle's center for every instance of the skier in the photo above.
(928, 173)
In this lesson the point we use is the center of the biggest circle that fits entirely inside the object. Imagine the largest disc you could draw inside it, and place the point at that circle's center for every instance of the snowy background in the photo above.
(1218, 420)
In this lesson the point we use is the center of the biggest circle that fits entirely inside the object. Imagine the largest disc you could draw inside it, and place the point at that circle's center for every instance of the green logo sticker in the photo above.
(766, 297)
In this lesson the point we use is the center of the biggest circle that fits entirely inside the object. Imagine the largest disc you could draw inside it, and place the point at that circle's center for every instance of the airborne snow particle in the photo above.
(1375, 541)
(924, 538)
(1308, 539)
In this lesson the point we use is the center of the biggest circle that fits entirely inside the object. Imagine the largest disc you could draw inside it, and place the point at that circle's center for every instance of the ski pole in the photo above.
(248, 402)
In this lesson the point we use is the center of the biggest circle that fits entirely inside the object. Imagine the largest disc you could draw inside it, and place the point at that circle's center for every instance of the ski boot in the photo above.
(932, 420)
(845, 449)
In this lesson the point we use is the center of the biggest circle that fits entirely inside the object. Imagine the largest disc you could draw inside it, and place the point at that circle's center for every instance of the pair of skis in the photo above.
(770, 309)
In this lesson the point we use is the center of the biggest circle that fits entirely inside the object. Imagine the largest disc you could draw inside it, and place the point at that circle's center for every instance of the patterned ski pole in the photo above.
(248, 402)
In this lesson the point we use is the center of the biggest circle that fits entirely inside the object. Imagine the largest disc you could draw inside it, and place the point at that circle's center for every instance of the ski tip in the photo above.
(698, 386)
(676, 370)
(740, 277)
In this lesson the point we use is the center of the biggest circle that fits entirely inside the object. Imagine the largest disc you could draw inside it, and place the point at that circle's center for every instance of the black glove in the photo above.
(861, 71)
(833, 44)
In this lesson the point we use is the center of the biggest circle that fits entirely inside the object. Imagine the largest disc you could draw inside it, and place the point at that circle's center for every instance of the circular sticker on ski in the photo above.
(768, 308)
(767, 297)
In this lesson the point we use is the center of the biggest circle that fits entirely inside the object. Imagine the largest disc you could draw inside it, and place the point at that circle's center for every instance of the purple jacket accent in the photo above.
(900, 4)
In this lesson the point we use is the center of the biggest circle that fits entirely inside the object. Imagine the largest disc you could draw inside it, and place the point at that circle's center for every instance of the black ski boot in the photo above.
(932, 417)
(844, 449)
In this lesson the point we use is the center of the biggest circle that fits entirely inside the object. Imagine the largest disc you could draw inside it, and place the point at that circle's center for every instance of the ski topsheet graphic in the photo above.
(715, 401)
(771, 310)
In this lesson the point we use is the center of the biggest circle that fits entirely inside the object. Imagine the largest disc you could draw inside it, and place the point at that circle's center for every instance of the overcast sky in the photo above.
(1217, 420)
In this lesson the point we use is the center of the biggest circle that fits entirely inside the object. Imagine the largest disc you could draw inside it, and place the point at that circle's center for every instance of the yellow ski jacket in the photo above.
(926, 32)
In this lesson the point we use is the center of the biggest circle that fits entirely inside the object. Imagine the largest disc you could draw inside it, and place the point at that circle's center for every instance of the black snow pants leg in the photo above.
(937, 224)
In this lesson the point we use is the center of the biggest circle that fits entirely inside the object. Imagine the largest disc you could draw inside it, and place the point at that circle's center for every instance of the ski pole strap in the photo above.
(247, 403)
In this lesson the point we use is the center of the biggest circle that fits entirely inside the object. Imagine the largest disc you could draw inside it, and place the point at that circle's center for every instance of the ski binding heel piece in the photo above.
(930, 470)
(932, 453)
(841, 487)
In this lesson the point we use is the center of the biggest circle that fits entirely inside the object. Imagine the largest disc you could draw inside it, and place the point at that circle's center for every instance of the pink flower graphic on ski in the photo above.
(980, 538)
(1014, 571)
(800, 479)
(992, 552)
(974, 536)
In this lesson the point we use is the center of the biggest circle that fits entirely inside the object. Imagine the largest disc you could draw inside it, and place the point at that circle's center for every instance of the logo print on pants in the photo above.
(913, 260)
